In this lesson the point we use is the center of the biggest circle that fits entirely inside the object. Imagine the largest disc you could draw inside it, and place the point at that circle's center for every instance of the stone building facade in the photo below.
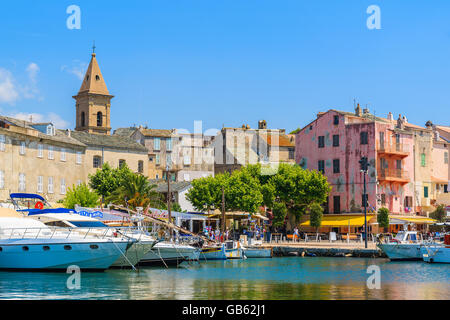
(237, 147)
(93, 102)
(37, 158)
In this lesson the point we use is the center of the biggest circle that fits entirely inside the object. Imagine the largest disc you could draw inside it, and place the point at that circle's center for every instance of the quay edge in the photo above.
(328, 252)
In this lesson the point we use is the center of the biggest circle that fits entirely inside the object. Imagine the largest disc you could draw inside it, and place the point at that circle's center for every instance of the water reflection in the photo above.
(277, 278)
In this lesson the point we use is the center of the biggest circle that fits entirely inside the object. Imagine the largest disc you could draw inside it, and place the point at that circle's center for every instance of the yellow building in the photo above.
(37, 158)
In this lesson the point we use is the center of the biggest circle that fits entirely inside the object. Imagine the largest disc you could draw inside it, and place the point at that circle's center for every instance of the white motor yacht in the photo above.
(28, 244)
(68, 218)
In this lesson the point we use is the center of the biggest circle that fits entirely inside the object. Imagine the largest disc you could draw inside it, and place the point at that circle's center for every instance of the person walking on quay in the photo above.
(296, 235)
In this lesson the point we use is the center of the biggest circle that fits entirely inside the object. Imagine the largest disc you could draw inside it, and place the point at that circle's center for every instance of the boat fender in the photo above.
(39, 205)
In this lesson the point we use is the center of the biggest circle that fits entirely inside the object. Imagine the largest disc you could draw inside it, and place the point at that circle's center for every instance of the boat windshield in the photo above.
(400, 236)
(31, 203)
(88, 224)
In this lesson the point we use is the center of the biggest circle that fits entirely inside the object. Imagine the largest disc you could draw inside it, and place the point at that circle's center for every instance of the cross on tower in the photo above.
(93, 47)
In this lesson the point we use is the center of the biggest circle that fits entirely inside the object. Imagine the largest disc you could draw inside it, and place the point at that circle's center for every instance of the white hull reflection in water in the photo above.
(272, 278)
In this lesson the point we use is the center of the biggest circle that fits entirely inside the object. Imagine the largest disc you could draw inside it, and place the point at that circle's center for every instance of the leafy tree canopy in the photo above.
(82, 196)
(107, 179)
(383, 217)
(439, 214)
(134, 190)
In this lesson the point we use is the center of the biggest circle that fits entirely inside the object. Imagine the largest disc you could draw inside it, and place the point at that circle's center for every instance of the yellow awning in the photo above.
(341, 221)
(417, 220)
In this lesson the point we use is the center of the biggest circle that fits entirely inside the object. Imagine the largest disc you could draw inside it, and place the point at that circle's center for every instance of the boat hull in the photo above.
(215, 253)
(258, 252)
(167, 254)
(402, 251)
(235, 253)
(53, 255)
(436, 254)
(134, 254)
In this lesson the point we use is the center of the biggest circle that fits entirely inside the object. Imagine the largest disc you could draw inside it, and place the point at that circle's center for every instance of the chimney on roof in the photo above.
(390, 116)
(358, 110)
(429, 124)
(68, 132)
(366, 110)
(262, 124)
(247, 127)
(400, 122)
(436, 135)
(405, 120)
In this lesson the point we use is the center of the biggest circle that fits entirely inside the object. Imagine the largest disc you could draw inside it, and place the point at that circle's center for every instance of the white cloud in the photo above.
(11, 91)
(8, 90)
(77, 68)
(33, 70)
(52, 117)
(31, 91)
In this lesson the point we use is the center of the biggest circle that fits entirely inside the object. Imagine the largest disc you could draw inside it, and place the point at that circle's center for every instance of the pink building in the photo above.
(336, 141)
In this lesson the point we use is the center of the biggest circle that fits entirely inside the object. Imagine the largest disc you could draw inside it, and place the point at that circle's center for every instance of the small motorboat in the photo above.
(437, 253)
(233, 250)
(405, 246)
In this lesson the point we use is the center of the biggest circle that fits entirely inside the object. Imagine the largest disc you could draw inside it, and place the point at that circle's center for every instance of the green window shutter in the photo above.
(425, 192)
(422, 160)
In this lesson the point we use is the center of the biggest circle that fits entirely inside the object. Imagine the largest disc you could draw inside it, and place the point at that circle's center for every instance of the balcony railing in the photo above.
(395, 148)
(394, 175)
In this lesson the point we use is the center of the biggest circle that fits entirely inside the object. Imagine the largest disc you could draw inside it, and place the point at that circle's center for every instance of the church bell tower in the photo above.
(93, 102)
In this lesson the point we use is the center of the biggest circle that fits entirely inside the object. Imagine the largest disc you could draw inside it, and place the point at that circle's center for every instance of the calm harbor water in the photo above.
(277, 278)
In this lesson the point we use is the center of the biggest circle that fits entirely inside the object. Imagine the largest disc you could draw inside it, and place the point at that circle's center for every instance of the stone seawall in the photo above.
(327, 252)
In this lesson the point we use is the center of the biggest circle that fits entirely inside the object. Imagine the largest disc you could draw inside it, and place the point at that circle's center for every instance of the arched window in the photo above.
(97, 77)
(99, 119)
(83, 120)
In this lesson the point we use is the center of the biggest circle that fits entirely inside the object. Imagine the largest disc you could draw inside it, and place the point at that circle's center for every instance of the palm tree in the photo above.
(135, 191)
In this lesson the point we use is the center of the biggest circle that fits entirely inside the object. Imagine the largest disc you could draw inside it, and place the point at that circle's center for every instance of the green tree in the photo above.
(135, 190)
(279, 212)
(106, 180)
(206, 193)
(82, 196)
(292, 185)
(315, 215)
(439, 214)
(383, 218)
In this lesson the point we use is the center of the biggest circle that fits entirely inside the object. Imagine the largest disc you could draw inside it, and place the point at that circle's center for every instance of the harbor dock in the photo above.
(326, 249)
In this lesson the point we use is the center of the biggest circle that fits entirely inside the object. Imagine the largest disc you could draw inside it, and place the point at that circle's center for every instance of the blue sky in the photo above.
(228, 62)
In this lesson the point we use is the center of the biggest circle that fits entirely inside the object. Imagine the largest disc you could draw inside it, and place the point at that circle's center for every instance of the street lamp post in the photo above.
(364, 168)
(169, 213)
